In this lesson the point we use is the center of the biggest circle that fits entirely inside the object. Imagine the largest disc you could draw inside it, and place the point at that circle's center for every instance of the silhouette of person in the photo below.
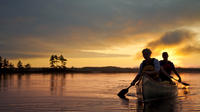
(166, 68)
(149, 66)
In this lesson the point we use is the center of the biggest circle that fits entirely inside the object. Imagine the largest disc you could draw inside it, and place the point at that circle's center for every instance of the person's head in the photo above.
(146, 53)
(165, 55)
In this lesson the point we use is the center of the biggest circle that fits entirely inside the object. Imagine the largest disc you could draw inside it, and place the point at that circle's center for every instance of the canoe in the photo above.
(148, 89)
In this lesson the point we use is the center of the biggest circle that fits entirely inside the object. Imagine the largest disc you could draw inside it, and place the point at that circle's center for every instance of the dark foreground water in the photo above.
(87, 92)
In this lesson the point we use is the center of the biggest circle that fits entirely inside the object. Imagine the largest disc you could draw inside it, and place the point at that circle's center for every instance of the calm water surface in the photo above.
(87, 92)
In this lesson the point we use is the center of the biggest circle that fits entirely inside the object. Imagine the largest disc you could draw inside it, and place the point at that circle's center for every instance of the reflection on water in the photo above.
(57, 84)
(168, 105)
(163, 105)
(87, 92)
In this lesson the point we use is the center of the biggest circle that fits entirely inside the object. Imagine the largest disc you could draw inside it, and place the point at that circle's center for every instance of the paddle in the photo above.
(186, 84)
(123, 92)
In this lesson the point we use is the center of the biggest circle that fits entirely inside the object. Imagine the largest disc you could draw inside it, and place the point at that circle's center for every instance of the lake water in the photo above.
(87, 92)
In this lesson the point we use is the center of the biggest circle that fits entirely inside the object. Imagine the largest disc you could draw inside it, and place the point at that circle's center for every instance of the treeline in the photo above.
(5, 63)
(57, 64)
(7, 66)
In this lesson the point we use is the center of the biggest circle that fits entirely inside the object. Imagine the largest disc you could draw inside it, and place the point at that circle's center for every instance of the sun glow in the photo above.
(173, 55)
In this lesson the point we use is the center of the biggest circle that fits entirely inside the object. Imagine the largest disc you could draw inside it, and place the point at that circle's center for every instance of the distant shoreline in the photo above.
(107, 69)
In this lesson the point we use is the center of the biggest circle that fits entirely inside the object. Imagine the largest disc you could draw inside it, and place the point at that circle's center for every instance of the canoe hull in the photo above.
(148, 89)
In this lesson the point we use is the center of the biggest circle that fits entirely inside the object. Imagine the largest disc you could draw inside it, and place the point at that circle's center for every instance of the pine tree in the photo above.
(19, 65)
(10, 65)
(52, 65)
(28, 66)
(63, 61)
(56, 60)
(5, 63)
(1, 62)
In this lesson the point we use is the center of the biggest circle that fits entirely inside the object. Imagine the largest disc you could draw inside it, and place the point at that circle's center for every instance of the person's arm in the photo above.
(156, 68)
(137, 77)
(177, 74)
(162, 70)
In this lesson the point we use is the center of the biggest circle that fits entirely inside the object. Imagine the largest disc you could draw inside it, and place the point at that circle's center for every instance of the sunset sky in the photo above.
(100, 32)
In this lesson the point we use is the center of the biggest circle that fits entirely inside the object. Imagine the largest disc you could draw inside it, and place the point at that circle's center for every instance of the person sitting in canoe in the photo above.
(166, 68)
(149, 66)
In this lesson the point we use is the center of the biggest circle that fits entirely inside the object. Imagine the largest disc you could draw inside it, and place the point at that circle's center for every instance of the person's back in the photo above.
(150, 66)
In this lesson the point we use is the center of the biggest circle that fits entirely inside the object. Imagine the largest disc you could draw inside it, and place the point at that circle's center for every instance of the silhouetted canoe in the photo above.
(148, 89)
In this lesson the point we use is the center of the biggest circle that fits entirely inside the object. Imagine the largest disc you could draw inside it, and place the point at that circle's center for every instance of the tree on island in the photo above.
(27, 66)
(52, 61)
(1, 62)
(7, 66)
(63, 61)
(5, 63)
(11, 66)
(20, 65)
(57, 61)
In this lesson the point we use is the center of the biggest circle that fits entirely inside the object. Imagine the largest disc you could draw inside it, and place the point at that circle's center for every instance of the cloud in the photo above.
(50, 26)
(180, 42)
(18, 55)
(172, 38)
(25, 48)
(190, 49)
(85, 54)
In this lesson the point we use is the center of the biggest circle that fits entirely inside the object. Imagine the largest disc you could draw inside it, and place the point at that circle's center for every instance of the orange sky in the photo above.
(100, 33)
